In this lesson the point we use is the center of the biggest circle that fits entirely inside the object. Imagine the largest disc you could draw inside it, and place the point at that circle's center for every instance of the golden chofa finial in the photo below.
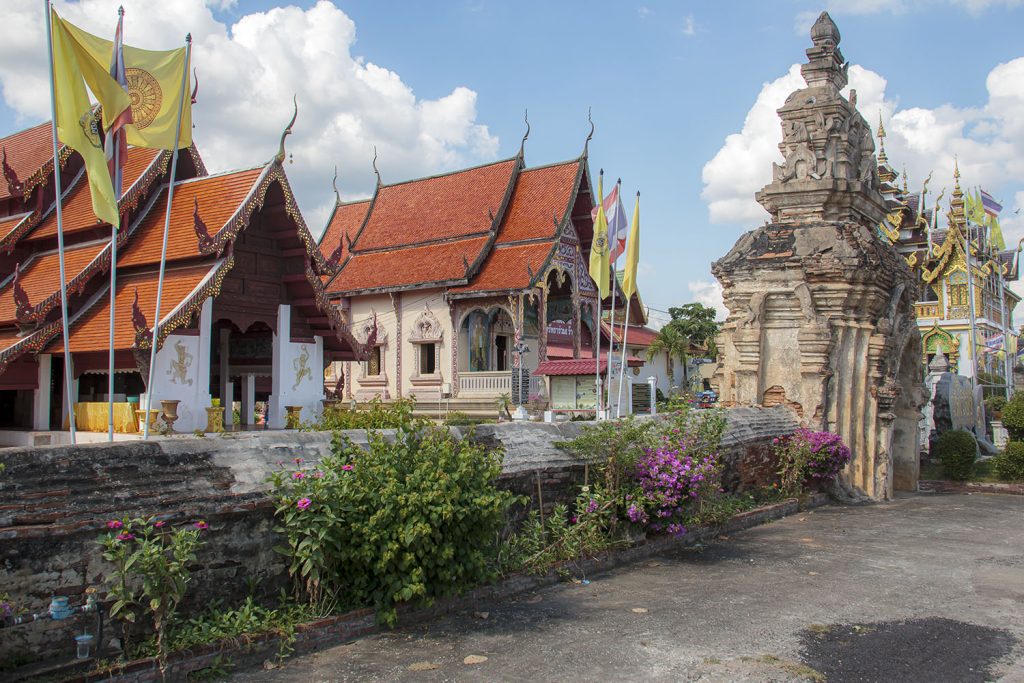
(882, 158)
(956, 170)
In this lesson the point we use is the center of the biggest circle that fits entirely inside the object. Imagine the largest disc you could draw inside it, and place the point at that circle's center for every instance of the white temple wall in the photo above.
(297, 374)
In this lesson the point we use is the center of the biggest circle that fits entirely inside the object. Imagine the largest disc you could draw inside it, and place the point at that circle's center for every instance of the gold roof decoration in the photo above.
(912, 260)
(895, 219)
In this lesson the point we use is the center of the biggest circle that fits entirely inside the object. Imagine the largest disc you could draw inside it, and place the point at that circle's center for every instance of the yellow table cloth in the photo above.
(93, 417)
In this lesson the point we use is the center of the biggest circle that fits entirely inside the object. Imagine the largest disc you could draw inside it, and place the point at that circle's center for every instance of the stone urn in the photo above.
(140, 416)
(215, 419)
(169, 412)
(293, 417)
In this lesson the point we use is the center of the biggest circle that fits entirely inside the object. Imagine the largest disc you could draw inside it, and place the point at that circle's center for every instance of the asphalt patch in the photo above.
(924, 650)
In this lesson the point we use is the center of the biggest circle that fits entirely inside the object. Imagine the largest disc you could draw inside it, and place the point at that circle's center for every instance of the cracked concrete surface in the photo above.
(941, 575)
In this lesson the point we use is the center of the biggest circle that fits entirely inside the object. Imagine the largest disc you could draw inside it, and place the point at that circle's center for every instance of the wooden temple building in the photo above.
(452, 274)
(244, 314)
(937, 252)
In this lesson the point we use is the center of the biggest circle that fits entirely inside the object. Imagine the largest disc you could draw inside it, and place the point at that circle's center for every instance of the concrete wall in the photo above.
(55, 501)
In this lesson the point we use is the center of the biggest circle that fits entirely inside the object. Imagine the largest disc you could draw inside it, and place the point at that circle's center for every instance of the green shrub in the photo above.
(412, 519)
(1013, 416)
(956, 450)
(995, 404)
(377, 415)
(1009, 464)
(459, 419)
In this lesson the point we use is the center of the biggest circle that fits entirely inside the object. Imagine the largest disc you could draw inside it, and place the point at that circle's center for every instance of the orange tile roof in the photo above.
(8, 224)
(452, 205)
(219, 197)
(91, 331)
(27, 152)
(9, 337)
(77, 206)
(40, 276)
(506, 268)
(641, 336)
(348, 218)
(400, 268)
(540, 194)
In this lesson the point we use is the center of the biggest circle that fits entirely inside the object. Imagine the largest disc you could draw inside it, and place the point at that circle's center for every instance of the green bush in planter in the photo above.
(957, 450)
(1009, 464)
(1013, 416)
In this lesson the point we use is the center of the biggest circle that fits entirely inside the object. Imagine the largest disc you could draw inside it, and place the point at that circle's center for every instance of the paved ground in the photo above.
(927, 588)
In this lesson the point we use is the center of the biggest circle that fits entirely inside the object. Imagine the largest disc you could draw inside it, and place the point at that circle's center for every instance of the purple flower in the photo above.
(125, 537)
(201, 525)
(115, 524)
(298, 461)
(298, 475)
(159, 524)
(572, 520)
(303, 503)
(592, 506)
(347, 468)
(318, 474)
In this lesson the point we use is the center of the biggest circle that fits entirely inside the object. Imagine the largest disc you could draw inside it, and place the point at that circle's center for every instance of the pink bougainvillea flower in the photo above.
(125, 537)
(201, 525)
(115, 524)
(303, 503)
(347, 468)
(298, 475)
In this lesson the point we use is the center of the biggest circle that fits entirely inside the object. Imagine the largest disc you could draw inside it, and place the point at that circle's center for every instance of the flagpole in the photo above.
(622, 368)
(113, 266)
(68, 370)
(599, 392)
(163, 250)
(611, 315)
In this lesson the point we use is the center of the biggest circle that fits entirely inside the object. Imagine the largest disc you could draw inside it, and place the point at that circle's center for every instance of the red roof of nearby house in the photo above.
(581, 366)
(27, 151)
(440, 207)
(641, 336)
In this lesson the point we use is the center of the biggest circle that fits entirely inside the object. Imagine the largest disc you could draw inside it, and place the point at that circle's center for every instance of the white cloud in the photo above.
(689, 26)
(709, 294)
(247, 74)
(988, 141)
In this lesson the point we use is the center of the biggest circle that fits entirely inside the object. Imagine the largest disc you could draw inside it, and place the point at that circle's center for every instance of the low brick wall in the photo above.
(54, 502)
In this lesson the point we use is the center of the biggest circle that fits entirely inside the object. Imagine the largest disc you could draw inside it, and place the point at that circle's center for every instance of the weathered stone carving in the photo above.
(821, 309)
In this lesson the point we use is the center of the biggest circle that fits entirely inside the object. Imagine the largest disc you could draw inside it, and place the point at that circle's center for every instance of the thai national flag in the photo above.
(991, 206)
(115, 146)
(618, 229)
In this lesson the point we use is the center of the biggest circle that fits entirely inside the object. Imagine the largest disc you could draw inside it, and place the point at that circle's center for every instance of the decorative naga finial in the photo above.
(590, 135)
(380, 183)
(206, 242)
(142, 330)
(14, 186)
(287, 131)
(334, 184)
(522, 145)
(22, 306)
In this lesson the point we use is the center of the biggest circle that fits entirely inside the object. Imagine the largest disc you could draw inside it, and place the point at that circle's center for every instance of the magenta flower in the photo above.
(299, 461)
(115, 524)
(347, 468)
(318, 474)
(592, 506)
(125, 537)
(201, 525)
(159, 524)
(303, 503)
(298, 475)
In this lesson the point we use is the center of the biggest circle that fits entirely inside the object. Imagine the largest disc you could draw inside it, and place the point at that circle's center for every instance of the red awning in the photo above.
(581, 366)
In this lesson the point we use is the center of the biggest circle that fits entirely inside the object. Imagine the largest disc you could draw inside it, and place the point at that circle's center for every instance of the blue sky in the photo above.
(441, 85)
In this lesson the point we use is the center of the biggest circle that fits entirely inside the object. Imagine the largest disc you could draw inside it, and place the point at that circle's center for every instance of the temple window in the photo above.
(929, 295)
(428, 359)
(372, 366)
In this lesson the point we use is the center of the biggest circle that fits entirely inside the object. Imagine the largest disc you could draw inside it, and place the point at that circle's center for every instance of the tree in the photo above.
(692, 325)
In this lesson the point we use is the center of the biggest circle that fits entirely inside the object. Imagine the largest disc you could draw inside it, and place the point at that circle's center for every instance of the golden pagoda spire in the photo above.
(956, 204)
(905, 190)
(882, 158)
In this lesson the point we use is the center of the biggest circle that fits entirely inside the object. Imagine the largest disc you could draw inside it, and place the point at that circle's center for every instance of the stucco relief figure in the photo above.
(301, 365)
(800, 162)
(755, 309)
(803, 295)
(180, 365)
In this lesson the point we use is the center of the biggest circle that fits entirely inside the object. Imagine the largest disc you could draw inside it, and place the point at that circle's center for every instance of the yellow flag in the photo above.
(599, 247)
(632, 252)
(77, 122)
(155, 87)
